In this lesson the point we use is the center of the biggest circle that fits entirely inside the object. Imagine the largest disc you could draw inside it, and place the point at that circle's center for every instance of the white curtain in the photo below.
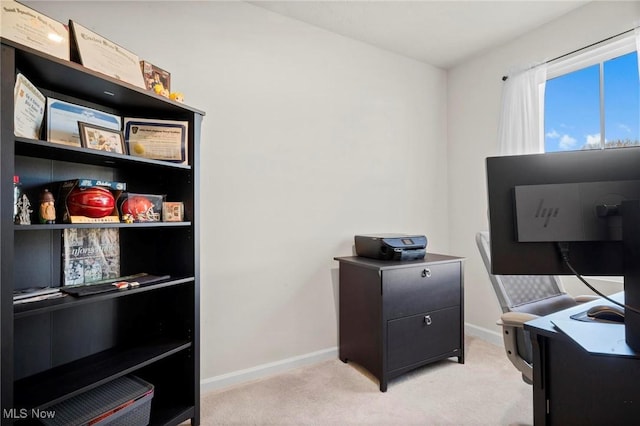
(637, 34)
(521, 123)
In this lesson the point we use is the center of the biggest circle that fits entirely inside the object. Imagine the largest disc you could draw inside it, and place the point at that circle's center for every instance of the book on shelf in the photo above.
(90, 255)
(35, 294)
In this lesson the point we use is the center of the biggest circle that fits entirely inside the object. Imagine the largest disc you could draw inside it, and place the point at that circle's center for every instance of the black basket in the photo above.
(124, 401)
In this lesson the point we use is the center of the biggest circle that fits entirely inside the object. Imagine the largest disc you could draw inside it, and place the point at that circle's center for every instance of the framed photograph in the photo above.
(101, 138)
(154, 77)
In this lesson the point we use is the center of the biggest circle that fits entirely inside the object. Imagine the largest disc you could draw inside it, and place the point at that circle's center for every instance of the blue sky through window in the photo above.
(621, 98)
(572, 106)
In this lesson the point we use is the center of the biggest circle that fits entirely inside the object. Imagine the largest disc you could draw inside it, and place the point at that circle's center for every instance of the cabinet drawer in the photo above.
(422, 337)
(409, 291)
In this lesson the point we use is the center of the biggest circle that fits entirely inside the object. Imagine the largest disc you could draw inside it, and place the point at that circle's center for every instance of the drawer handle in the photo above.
(426, 273)
(427, 319)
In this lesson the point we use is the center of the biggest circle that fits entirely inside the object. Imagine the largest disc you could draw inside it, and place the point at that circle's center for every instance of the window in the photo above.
(592, 101)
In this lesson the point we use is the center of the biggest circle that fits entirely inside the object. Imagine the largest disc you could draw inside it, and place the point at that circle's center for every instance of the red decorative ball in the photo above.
(136, 205)
(92, 202)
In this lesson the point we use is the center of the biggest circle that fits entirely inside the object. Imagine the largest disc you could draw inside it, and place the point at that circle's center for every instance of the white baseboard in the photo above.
(482, 333)
(264, 370)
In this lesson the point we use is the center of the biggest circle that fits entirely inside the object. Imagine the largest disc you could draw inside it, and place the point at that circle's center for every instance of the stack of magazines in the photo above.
(35, 294)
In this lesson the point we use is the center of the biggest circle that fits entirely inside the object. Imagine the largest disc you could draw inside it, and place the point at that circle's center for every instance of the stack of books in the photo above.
(35, 294)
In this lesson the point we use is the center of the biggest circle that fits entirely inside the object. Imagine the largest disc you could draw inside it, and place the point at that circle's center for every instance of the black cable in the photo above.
(564, 252)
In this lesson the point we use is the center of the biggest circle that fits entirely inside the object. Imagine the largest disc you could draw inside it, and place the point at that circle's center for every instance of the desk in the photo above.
(574, 387)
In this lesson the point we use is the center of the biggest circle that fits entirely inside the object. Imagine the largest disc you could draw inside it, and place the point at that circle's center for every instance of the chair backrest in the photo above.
(536, 294)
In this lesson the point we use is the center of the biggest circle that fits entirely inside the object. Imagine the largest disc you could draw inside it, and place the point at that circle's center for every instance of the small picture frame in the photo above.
(155, 76)
(101, 138)
(172, 211)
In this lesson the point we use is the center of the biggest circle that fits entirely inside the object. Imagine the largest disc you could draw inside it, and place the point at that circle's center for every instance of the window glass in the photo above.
(621, 101)
(572, 111)
(576, 106)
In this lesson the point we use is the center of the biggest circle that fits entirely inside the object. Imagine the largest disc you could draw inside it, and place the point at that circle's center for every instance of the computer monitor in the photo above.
(586, 200)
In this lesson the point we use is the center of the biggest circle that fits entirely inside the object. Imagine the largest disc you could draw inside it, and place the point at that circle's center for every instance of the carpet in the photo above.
(486, 390)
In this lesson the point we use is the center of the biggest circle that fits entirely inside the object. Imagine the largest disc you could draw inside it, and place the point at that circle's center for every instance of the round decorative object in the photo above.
(92, 202)
(137, 206)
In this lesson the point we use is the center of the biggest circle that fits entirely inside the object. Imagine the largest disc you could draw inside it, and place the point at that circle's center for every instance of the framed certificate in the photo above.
(157, 139)
(33, 29)
(28, 108)
(99, 54)
(63, 118)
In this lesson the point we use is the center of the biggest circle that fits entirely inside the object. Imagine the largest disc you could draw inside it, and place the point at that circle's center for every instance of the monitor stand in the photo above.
(609, 338)
(630, 212)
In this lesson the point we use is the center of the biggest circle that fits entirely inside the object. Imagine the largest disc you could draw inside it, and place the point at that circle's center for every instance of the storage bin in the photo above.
(125, 401)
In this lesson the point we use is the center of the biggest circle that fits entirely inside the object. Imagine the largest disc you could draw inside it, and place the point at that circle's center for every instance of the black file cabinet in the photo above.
(396, 316)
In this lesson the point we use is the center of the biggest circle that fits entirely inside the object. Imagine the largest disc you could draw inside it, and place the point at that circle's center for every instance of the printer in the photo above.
(391, 246)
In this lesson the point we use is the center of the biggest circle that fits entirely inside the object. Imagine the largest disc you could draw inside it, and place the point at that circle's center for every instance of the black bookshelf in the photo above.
(56, 349)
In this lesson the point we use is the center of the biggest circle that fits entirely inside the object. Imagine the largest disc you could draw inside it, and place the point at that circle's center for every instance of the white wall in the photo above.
(309, 138)
(474, 92)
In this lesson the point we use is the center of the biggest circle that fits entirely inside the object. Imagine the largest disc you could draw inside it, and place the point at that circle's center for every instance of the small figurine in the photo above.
(47, 211)
(176, 96)
(17, 193)
(24, 210)
(159, 89)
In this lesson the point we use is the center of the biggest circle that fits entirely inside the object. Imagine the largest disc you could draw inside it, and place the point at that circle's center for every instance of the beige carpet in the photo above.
(486, 390)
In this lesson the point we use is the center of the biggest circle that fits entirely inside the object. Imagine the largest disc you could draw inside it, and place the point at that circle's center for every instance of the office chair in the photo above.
(523, 298)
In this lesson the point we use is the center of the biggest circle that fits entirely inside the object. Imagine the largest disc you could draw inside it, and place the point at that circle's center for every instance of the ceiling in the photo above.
(440, 33)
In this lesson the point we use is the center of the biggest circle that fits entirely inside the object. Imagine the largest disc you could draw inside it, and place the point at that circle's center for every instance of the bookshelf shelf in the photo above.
(55, 385)
(43, 149)
(59, 226)
(67, 302)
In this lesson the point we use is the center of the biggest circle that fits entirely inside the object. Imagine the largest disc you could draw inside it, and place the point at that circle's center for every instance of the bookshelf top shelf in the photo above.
(74, 79)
